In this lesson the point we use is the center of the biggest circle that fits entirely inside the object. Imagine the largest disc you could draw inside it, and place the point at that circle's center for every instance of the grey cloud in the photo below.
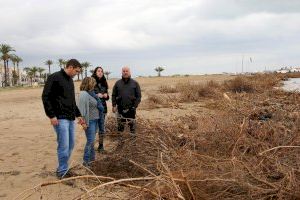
(202, 36)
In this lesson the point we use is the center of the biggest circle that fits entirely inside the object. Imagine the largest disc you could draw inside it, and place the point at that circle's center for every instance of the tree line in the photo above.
(12, 74)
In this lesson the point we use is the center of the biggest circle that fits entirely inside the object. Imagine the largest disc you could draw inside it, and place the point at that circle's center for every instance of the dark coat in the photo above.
(102, 89)
(126, 94)
(59, 97)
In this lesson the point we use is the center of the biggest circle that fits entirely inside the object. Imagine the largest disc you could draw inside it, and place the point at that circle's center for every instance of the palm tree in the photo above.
(159, 69)
(85, 65)
(18, 60)
(31, 73)
(27, 70)
(78, 78)
(107, 73)
(44, 76)
(81, 72)
(13, 59)
(34, 70)
(61, 63)
(49, 63)
(5, 49)
(40, 70)
(64, 63)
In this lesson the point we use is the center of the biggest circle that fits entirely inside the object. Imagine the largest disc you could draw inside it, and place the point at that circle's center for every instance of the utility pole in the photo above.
(243, 64)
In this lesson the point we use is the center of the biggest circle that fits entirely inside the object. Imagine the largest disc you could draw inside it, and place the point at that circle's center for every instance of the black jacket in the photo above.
(126, 94)
(102, 89)
(59, 97)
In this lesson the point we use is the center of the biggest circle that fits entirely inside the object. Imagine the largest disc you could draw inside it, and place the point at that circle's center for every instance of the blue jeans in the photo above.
(101, 123)
(89, 151)
(65, 131)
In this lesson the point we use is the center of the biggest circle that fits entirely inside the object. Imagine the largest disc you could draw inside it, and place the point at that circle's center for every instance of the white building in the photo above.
(22, 79)
(288, 70)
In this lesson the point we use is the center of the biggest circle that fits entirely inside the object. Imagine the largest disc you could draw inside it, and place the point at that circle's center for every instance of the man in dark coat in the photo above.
(60, 107)
(126, 96)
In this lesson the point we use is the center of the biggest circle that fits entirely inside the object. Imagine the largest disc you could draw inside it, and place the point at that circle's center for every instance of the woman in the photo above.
(90, 111)
(101, 89)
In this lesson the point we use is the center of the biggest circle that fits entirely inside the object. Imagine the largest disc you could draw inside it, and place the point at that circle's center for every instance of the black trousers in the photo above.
(126, 116)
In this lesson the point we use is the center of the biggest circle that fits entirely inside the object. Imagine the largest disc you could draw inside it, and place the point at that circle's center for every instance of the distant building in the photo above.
(23, 79)
(284, 70)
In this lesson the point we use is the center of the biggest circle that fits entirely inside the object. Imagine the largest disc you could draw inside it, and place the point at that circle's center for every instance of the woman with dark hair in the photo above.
(101, 90)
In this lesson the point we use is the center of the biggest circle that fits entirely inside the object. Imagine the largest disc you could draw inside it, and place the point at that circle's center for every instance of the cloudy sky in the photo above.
(186, 37)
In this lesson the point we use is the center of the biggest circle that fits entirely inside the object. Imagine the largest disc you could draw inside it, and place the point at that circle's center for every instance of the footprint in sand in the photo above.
(12, 173)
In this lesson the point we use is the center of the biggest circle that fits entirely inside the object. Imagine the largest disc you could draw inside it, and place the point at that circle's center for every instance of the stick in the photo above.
(114, 182)
(143, 188)
(35, 188)
(178, 191)
(188, 185)
(73, 178)
(131, 161)
(278, 147)
(240, 136)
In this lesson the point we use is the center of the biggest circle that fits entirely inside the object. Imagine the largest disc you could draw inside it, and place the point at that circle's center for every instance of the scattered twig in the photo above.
(278, 147)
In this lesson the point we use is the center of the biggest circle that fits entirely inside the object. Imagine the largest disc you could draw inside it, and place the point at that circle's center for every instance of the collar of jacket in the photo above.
(64, 73)
(126, 80)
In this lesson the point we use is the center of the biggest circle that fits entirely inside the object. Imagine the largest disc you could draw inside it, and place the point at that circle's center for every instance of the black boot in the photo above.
(101, 146)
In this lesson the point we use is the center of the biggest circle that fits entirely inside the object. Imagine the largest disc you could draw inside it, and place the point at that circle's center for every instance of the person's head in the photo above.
(98, 72)
(126, 72)
(73, 67)
(87, 84)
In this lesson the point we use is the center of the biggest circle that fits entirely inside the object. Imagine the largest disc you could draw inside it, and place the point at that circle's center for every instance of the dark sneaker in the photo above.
(67, 174)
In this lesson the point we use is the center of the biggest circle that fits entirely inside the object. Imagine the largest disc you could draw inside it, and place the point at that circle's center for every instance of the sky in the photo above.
(184, 37)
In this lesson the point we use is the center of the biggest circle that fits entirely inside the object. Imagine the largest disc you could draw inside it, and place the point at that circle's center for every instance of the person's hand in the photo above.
(82, 123)
(80, 120)
(105, 95)
(114, 109)
(54, 121)
(84, 126)
(100, 95)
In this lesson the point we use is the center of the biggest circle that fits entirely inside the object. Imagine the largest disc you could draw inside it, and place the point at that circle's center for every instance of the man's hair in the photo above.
(87, 84)
(74, 63)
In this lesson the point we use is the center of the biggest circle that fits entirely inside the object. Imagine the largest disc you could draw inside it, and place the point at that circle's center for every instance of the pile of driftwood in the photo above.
(249, 150)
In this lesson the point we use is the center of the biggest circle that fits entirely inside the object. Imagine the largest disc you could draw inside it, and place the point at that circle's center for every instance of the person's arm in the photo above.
(113, 98)
(83, 107)
(105, 95)
(77, 111)
(138, 95)
(46, 97)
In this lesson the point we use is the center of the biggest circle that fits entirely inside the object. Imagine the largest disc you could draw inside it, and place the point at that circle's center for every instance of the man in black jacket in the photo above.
(60, 106)
(126, 97)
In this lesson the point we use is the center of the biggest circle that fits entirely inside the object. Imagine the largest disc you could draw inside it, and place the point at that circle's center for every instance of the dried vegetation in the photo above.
(249, 149)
